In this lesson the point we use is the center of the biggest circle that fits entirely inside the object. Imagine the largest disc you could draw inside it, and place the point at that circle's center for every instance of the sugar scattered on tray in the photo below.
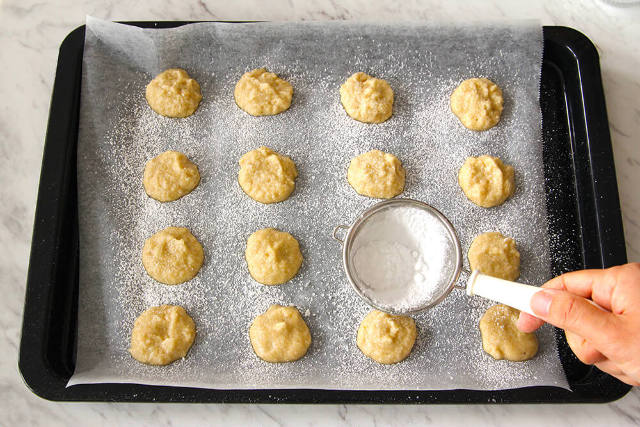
(223, 299)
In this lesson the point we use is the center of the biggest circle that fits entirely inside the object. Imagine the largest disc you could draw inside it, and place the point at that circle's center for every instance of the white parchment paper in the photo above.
(423, 63)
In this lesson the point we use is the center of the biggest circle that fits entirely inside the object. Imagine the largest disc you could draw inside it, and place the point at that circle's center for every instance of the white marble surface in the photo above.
(30, 34)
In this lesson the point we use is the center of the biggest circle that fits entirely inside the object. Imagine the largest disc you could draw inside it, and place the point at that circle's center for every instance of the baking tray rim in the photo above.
(41, 377)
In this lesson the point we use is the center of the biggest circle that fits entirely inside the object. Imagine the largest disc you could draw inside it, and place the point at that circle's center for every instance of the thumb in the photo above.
(573, 313)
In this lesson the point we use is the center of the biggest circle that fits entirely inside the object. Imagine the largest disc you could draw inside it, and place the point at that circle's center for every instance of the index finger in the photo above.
(597, 285)
(581, 283)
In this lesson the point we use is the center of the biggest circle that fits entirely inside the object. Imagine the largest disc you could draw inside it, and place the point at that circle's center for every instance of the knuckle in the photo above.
(586, 358)
(584, 351)
(633, 268)
(589, 355)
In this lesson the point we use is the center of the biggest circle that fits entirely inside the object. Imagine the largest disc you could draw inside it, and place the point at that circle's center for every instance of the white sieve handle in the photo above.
(513, 294)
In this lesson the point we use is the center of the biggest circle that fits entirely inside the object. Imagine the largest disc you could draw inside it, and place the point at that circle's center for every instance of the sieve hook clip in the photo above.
(463, 277)
(335, 232)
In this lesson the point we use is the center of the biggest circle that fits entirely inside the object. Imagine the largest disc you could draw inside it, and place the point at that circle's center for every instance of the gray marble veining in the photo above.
(30, 34)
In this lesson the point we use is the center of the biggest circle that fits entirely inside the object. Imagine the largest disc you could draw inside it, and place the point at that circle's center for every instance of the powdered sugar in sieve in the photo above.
(402, 256)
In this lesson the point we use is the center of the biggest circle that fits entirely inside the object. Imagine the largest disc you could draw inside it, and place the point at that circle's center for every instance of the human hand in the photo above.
(607, 336)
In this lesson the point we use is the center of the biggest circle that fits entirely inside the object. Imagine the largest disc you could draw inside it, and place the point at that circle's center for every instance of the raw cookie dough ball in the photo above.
(172, 256)
(376, 174)
(172, 93)
(502, 339)
(477, 103)
(273, 256)
(266, 176)
(366, 98)
(162, 335)
(386, 338)
(170, 176)
(486, 181)
(495, 255)
(261, 93)
(280, 335)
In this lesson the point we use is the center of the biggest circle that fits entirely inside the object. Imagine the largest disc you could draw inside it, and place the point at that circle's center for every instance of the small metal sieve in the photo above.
(517, 295)
(448, 278)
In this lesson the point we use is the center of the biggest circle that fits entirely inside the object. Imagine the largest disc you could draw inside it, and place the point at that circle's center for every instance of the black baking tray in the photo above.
(584, 221)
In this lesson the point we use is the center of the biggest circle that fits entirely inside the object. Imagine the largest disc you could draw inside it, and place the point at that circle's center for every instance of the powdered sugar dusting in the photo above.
(403, 258)
(119, 133)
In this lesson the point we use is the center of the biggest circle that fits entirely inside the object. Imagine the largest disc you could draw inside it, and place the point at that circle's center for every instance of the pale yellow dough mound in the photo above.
(261, 93)
(162, 335)
(173, 93)
(170, 176)
(280, 335)
(477, 103)
(486, 181)
(386, 338)
(266, 176)
(502, 339)
(376, 174)
(366, 98)
(273, 256)
(495, 255)
(172, 256)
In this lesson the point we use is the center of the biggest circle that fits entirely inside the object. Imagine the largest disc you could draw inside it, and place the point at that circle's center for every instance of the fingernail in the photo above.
(541, 302)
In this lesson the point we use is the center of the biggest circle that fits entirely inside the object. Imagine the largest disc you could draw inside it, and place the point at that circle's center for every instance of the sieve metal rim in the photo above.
(363, 217)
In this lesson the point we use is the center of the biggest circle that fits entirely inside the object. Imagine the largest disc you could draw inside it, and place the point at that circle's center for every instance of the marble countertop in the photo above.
(30, 34)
